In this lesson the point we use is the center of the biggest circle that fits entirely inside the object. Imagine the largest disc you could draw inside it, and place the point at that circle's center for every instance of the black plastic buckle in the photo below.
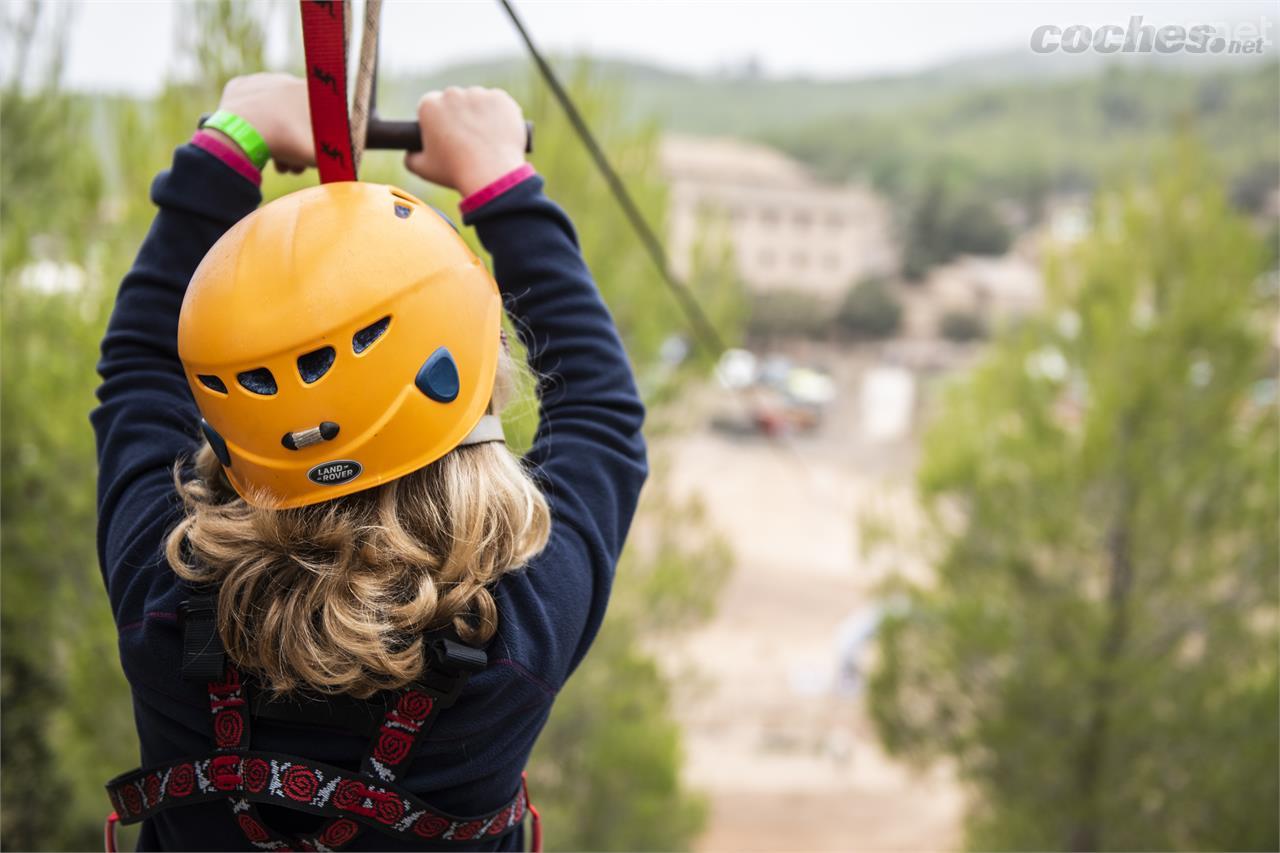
(449, 665)
(451, 655)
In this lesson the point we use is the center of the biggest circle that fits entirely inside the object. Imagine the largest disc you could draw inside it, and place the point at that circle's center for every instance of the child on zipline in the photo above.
(308, 519)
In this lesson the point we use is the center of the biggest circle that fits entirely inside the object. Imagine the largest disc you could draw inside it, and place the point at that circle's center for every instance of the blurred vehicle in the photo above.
(738, 369)
(782, 397)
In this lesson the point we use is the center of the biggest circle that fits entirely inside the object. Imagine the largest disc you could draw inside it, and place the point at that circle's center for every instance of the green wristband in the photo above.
(242, 133)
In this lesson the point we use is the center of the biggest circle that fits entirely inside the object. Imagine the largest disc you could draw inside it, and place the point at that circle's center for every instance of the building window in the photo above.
(769, 216)
(802, 219)
(765, 259)
(799, 261)
(835, 219)
(830, 261)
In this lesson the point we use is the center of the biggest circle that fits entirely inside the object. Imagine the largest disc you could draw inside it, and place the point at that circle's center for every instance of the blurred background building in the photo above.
(787, 229)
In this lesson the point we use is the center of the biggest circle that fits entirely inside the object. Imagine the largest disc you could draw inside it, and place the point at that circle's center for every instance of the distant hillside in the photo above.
(737, 105)
(1023, 138)
(753, 105)
(1019, 124)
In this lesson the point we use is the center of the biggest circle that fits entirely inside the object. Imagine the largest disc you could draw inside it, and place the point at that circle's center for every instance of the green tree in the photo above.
(870, 310)
(224, 38)
(1097, 651)
(950, 216)
(961, 326)
(1255, 185)
(50, 596)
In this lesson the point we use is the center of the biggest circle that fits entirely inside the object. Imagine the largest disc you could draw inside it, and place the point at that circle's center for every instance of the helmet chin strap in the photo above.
(489, 429)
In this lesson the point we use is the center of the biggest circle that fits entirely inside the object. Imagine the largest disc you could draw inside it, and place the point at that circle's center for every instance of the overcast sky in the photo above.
(131, 44)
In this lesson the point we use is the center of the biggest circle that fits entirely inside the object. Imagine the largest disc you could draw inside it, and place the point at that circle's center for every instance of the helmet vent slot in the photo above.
(315, 364)
(369, 335)
(212, 382)
(257, 381)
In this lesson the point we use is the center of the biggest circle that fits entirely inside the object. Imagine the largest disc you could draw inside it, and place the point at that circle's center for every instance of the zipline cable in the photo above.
(700, 324)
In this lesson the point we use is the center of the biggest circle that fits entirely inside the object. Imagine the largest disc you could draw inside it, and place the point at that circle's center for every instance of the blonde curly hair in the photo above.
(335, 597)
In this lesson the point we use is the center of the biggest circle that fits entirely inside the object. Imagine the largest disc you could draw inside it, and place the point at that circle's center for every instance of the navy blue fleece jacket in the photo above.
(588, 455)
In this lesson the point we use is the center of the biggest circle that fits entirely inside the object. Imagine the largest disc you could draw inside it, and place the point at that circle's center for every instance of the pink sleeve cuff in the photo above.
(483, 196)
(229, 154)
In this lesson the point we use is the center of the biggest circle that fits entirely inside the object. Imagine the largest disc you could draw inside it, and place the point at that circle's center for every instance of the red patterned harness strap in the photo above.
(228, 714)
(403, 727)
(308, 786)
(352, 801)
(245, 778)
(415, 710)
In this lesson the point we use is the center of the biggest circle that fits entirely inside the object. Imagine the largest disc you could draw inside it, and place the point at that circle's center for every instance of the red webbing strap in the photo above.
(308, 786)
(324, 42)
(352, 801)
(109, 833)
(534, 815)
(403, 728)
(228, 709)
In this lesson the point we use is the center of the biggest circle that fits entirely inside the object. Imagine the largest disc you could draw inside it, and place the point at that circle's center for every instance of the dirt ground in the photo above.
(788, 763)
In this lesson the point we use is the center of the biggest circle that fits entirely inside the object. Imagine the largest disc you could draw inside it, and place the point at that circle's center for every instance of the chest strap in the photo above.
(353, 799)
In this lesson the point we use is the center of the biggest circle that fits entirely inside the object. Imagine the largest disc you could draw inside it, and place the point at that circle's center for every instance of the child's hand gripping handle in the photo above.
(467, 138)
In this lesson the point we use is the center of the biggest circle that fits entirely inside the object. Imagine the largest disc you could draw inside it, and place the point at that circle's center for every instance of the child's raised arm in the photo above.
(589, 452)
(146, 418)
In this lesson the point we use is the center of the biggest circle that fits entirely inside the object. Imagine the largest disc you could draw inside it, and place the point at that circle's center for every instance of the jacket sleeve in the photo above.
(146, 417)
(588, 453)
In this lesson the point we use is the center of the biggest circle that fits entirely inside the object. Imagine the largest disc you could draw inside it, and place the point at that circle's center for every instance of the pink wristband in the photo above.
(229, 154)
(486, 194)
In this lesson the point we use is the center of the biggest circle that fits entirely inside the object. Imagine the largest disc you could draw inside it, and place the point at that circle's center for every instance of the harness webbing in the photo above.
(246, 777)
(230, 724)
(203, 658)
(324, 41)
(397, 723)
(309, 786)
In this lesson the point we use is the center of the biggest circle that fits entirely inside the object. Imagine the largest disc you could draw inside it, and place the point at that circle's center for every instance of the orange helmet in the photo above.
(338, 338)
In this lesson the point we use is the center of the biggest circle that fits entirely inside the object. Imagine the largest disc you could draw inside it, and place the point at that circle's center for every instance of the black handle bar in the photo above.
(386, 134)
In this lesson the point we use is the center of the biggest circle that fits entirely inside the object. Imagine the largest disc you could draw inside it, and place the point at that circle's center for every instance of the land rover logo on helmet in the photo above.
(335, 473)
